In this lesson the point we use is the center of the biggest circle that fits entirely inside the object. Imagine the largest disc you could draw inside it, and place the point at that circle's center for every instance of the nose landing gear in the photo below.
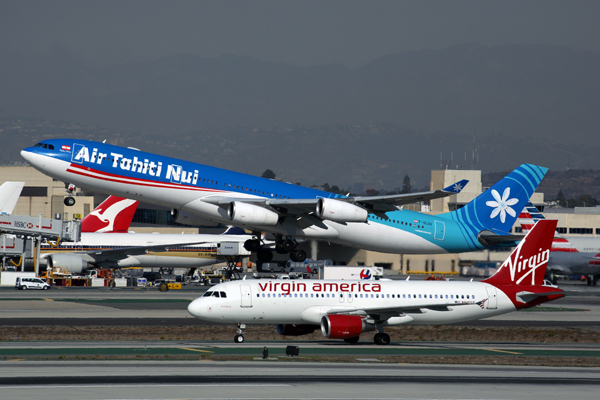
(239, 338)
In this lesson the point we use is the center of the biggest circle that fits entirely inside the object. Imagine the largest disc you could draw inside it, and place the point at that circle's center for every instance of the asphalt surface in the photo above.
(56, 374)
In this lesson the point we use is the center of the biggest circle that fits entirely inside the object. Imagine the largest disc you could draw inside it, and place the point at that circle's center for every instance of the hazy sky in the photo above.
(297, 32)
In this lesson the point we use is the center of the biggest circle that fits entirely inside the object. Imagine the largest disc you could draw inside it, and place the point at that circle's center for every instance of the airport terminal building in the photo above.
(44, 195)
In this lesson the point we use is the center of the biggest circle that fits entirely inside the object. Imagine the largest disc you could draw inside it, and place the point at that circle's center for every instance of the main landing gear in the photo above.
(380, 338)
(239, 338)
(283, 245)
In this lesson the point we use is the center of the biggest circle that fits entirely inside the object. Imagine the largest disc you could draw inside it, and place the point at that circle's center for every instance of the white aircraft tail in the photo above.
(9, 195)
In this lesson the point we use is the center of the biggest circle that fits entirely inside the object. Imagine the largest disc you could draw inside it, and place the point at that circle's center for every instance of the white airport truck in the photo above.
(350, 272)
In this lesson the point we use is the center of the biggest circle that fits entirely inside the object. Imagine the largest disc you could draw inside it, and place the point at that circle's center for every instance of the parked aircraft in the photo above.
(375, 223)
(105, 243)
(568, 256)
(344, 309)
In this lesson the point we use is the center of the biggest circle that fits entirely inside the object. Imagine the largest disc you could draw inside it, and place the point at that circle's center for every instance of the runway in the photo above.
(87, 369)
(289, 380)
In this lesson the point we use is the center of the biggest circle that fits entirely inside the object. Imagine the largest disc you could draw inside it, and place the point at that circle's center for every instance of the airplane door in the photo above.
(341, 297)
(349, 297)
(246, 296)
(492, 302)
(439, 230)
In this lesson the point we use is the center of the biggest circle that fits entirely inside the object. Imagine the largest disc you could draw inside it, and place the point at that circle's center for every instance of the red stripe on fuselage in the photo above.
(83, 171)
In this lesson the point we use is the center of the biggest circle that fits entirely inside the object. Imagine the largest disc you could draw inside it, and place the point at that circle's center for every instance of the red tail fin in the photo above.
(113, 215)
(527, 264)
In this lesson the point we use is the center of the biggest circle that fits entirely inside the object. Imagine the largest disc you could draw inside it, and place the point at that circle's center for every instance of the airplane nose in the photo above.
(194, 308)
(26, 155)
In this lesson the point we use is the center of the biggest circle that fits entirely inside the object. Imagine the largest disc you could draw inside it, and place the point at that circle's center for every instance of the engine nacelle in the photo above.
(295, 330)
(71, 262)
(244, 213)
(340, 211)
(186, 218)
(343, 326)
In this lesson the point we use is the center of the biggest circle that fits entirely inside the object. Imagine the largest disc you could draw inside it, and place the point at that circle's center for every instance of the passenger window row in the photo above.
(370, 295)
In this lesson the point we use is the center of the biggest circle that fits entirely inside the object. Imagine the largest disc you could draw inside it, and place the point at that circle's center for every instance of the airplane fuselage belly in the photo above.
(574, 263)
(382, 238)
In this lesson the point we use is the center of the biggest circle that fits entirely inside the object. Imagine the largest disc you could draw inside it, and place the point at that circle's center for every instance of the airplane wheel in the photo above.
(352, 339)
(279, 249)
(238, 338)
(382, 339)
(288, 245)
(264, 255)
(69, 201)
(252, 245)
(590, 278)
(298, 255)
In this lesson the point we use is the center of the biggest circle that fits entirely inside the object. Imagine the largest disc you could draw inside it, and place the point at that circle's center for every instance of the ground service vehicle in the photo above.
(27, 282)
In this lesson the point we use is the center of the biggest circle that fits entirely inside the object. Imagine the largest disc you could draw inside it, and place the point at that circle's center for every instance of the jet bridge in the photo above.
(24, 229)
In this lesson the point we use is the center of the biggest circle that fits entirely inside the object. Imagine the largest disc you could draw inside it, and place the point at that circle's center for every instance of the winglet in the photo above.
(9, 195)
(456, 187)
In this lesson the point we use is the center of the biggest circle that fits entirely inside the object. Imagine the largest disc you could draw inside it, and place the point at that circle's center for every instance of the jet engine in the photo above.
(340, 211)
(71, 262)
(343, 326)
(250, 214)
(295, 330)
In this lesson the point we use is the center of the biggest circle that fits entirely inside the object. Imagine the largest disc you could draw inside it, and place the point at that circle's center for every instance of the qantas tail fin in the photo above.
(527, 264)
(113, 215)
(494, 212)
(9, 195)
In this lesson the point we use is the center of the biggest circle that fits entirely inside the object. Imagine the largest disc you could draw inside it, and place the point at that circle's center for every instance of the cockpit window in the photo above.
(223, 294)
(207, 294)
(44, 145)
(215, 294)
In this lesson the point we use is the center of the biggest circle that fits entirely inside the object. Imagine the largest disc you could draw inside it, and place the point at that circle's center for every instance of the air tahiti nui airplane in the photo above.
(200, 192)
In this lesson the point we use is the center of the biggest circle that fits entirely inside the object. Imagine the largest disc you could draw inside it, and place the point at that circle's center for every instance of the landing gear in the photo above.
(69, 201)
(252, 245)
(264, 255)
(382, 339)
(298, 255)
(239, 338)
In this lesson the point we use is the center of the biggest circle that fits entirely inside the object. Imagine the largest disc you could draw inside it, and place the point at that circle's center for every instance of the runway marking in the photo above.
(190, 349)
(503, 351)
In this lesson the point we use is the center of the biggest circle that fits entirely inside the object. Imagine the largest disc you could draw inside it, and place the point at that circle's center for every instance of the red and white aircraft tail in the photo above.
(521, 276)
(113, 215)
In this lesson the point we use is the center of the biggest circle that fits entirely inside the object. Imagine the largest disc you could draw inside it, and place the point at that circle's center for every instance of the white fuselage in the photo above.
(185, 251)
(306, 301)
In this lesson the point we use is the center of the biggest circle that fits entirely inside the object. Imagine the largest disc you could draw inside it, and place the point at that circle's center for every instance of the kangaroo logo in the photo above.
(103, 219)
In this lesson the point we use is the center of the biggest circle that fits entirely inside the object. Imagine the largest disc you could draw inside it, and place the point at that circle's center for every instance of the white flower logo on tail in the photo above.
(502, 205)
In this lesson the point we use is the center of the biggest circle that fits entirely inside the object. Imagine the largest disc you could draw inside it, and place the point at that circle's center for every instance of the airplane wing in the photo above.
(376, 203)
(384, 313)
(115, 255)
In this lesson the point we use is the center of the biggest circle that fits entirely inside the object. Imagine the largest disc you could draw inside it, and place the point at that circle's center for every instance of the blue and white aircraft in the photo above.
(200, 192)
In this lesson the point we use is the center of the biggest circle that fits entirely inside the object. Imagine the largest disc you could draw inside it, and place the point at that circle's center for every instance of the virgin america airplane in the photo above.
(291, 212)
(345, 309)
